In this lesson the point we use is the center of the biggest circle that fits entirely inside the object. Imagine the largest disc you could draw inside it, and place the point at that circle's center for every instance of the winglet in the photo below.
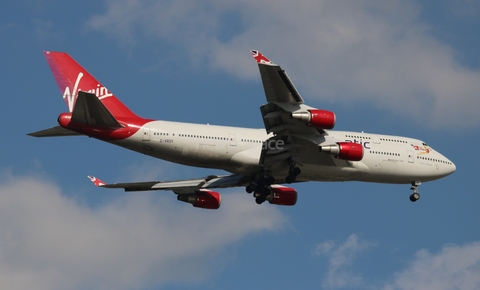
(96, 181)
(260, 58)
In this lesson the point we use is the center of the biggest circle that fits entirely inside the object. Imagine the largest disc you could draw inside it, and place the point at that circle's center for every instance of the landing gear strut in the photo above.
(415, 195)
(293, 172)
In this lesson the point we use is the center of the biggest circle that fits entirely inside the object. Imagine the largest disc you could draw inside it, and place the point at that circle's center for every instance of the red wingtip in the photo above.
(96, 181)
(259, 57)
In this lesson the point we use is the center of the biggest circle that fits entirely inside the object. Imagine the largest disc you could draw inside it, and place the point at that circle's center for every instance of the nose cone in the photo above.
(447, 169)
(452, 168)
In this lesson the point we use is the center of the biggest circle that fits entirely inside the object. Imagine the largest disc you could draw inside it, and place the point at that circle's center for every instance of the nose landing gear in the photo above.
(415, 195)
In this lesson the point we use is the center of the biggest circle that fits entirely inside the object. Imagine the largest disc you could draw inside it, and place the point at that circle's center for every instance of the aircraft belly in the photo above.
(245, 162)
(399, 172)
(342, 171)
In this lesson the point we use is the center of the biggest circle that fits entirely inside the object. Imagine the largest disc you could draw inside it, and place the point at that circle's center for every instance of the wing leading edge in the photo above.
(276, 83)
(183, 186)
(280, 118)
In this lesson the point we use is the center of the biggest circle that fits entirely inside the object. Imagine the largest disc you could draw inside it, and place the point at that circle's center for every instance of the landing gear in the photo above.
(250, 188)
(259, 183)
(261, 194)
(292, 175)
(415, 195)
(260, 199)
(260, 186)
(293, 172)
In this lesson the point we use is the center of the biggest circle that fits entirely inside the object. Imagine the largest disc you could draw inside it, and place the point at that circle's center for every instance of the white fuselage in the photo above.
(387, 159)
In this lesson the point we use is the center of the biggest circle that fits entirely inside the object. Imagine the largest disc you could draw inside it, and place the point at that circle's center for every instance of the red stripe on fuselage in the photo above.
(130, 127)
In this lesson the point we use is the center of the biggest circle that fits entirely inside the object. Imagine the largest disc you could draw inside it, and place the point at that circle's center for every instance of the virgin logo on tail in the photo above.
(70, 96)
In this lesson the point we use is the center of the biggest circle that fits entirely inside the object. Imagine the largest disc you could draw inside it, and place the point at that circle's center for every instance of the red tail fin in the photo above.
(72, 78)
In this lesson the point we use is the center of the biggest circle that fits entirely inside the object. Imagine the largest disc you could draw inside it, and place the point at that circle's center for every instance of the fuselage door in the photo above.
(146, 134)
(233, 140)
(410, 156)
(375, 139)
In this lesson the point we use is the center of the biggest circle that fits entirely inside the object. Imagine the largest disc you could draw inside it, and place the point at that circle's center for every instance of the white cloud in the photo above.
(340, 258)
(371, 52)
(139, 240)
(454, 267)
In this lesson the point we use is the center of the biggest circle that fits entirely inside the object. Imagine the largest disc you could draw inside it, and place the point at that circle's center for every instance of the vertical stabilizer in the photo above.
(72, 78)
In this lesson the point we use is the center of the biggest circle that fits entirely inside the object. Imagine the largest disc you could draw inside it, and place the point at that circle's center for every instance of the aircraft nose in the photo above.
(449, 169)
(445, 167)
(452, 167)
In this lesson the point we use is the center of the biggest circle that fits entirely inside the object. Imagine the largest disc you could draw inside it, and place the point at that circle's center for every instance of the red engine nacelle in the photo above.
(282, 195)
(345, 150)
(321, 119)
(202, 198)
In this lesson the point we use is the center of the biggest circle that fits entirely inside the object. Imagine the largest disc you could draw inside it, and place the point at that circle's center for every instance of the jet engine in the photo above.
(345, 150)
(282, 195)
(202, 198)
(321, 119)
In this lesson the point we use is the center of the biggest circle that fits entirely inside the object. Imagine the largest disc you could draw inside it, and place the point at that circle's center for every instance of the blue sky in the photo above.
(409, 68)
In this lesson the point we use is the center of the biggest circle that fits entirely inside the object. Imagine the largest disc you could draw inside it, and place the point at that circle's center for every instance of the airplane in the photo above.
(296, 145)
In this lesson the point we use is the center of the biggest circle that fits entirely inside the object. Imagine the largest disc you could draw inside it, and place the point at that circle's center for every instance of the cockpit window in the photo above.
(424, 144)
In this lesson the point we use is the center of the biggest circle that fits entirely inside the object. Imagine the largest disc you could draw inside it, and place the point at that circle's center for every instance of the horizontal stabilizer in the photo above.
(57, 131)
(89, 110)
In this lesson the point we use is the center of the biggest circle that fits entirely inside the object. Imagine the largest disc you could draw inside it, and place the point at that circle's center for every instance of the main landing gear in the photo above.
(293, 172)
(261, 183)
(261, 188)
(415, 195)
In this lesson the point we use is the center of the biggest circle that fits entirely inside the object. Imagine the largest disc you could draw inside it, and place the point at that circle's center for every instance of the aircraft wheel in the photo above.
(414, 197)
(250, 188)
(290, 179)
(296, 171)
(260, 200)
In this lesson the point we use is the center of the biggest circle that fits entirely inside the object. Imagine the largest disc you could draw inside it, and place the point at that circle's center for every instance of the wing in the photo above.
(277, 85)
(300, 127)
(179, 186)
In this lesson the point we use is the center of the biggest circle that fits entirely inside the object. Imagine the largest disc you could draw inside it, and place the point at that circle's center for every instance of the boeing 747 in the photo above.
(296, 145)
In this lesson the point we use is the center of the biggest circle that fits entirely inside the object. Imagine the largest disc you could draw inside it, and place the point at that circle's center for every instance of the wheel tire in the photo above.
(296, 171)
(290, 179)
(414, 197)
(250, 188)
(260, 200)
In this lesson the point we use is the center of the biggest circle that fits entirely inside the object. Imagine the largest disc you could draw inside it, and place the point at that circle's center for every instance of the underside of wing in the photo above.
(179, 186)
(194, 191)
